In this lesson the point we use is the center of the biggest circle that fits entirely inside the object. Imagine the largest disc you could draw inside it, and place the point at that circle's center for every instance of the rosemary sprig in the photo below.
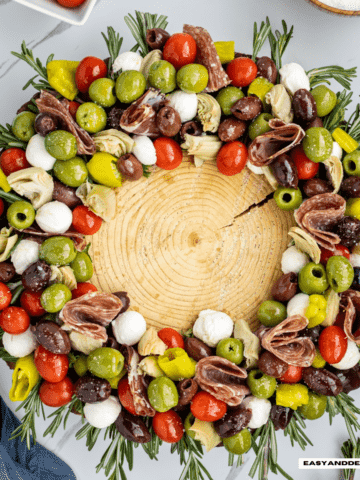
(332, 72)
(353, 124)
(296, 432)
(279, 42)
(113, 42)
(8, 139)
(231, 461)
(146, 171)
(27, 56)
(33, 406)
(4, 355)
(344, 405)
(115, 455)
(9, 197)
(260, 37)
(138, 27)
(191, 453)
(16, 294)
(152, 448)
(61, 415)
(350, 451)
(336, 116)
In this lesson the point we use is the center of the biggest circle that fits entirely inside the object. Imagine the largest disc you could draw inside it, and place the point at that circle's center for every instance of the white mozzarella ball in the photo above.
(260, 408)
(212, 326)
(293, 77)
(254, 169)
(144, 150)
(336, 151)
(351, 357)
(54, 217)
(37, 155)
(127, 61)
(298, 305)
(26, 253)
(293, 260)
(102, 414)
(129, 327)
(185, 104)
(355, 260)
(19, 345)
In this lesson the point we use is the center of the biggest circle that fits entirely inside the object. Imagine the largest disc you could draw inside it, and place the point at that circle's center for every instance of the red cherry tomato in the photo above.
(340, 251)
(14, 320)
(332, 344)
(5, 296)
(168, 426)
(231, 158)
(242, 71)
(85, 221)
(180, 50)
(292, 375)
(168, 153)
(125, 396)
(306, 168)
(88, 70)
(83, 289)
(12, 160)
(171, 338)
(56, 394)
(52, 367)
(73, 106)
(206, 407)
(30, 302)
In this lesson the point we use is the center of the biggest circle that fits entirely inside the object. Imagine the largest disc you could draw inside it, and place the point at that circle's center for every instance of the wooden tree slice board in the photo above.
(192, 239)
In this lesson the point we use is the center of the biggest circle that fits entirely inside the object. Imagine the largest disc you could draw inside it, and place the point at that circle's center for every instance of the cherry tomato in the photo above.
(180, 50)
(30, 302)
(88, 70)
(12, 160)
(125, 396)
(1, 207)
(56, 394)
(242, 71)
(306, 168)
(83, 289)
(332, 344)
(14, 320)
(340, 250)
(171, 338)
(206, 407)
(231, 158)
(168, 426)
(292, 375)
(5, 296)
(85, 221)
(168, 153)
(73, 106)
(52, 367)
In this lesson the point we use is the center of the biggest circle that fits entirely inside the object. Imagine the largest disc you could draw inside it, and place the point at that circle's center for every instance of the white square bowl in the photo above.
(75, 16)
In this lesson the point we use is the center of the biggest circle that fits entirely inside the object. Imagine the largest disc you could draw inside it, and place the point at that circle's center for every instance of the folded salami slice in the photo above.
(47, 103)
(78, 239)
(318, 215)
(223, 379)
(136, 382)
(283, 341)
(350, 301)
(282, 138)
(91, 313)
(207, 56)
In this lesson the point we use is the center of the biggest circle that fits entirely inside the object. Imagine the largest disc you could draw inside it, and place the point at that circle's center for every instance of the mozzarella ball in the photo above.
(212, 326)
(185, 104)
(351, 357)
(102, 414)
(20, 345)
(144, 150)
(26, 253)
(293, 260)
(355, 260)
(54, 217)
(127, 61)
(254, 169)
(298, 305)
(293, 77)
(260, 408)
(129, 327)
(336, 151)
(37, 155)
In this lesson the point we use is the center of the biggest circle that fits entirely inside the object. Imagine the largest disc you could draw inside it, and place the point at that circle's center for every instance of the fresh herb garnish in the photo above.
(353, 125)
(138, 27)
(115, 455)
(16, 294)
(239, 461)
(62, 414)
(260, 37)
(4, 355)
(113, 42)
(336, 116)
(146, 171)
(332, 72)
(344, 404)
(191, 453)
(152, 448)
(9, 197)
(296, 432)
(279, 42)
(8, 139)
(349, 450)
(27, 56)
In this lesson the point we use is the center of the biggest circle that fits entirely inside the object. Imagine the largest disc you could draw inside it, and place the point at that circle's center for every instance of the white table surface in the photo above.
(320, 39)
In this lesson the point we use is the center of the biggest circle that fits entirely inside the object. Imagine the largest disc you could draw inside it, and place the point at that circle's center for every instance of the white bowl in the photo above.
(75, 16)
(352, 7)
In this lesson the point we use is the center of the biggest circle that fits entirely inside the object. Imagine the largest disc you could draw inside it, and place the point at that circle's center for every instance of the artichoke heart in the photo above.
(202, 148)
(305, 243)
(7, 242)
(332, 307)
(280, 102)
(209, 112)
(33, 183)
(114, 142)
(250, 340)
(334, 172)
(148, 60)
(206, 434)
(151, 344)
(100, 199)
(64, 275)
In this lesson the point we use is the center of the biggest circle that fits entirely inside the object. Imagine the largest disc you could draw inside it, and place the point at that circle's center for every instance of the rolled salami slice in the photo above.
(283, 341)
(318, 215)
(350, 301)
(78, 239)
(282, 138)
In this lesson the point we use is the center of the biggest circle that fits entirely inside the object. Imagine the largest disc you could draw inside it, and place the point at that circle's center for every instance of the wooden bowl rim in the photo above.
(338, 11)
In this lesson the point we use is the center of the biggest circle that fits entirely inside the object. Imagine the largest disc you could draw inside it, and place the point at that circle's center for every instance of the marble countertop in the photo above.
(319, 39)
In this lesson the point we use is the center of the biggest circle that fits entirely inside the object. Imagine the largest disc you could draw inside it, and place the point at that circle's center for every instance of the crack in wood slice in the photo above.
(191, 239)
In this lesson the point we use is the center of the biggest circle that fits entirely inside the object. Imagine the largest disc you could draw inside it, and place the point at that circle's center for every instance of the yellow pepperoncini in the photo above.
(260, 87)
(61, 76)
(176, 364)
(345, 141)
(316, 311)
(225, 50)
(24, 379)
(102, 168)
(292, 395)
(4, 184)
(318, 361)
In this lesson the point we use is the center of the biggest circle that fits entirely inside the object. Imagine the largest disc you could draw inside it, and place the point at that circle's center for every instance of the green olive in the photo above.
(312, 279)
(91, 117)
(57, 251)
(54, 298)
(227, 97)
(82, 267)
(325, 100)
(239, 443)
(101, 92)
(162, 75)
(261, 385)
(315, 408)
(163, 394)
(340, 273)
(21, 214)
(105, 362)
(351, 163)
(232, 349)
(288, 198)
(130, 85)
(71, 172)
(317, 144)
(271, 313)
(260, 125)
(61, 145)
(192, 78)
(23, 126)
(80, 365)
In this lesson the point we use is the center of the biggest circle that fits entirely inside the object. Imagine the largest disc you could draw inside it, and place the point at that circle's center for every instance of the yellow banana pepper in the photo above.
(316, 311)
(292, 395)
(345, 141)
(24, 379)
(4, 184)
(176, 364)
(61, 76)
(225, 50)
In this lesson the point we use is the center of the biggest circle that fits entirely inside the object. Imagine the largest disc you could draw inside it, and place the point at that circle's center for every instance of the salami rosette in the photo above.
(350, 301)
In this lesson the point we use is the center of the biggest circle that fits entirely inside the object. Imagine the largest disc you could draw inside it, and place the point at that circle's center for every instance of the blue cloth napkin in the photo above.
(17, 462)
